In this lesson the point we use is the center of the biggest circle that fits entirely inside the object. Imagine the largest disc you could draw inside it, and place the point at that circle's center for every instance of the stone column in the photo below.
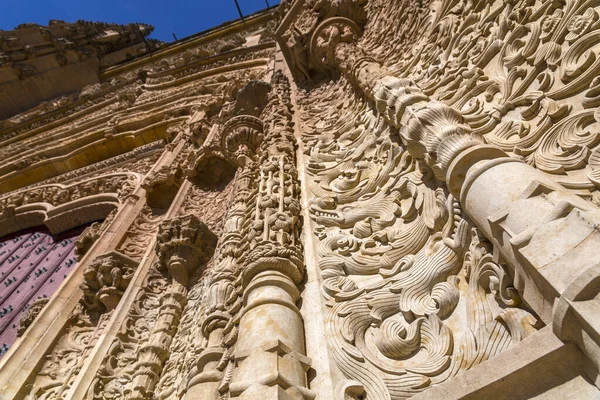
(182, 244)
(270, 352)
(547, 234)
(238, 141)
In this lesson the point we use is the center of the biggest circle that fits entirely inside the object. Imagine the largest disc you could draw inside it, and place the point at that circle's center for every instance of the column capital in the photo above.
(183, 243)
(105, 280)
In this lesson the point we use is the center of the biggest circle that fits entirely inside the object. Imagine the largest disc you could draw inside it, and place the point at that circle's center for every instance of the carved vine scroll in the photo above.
(414, 295)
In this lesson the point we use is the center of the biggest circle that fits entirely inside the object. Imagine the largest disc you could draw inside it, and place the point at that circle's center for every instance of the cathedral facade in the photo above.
(329, 199)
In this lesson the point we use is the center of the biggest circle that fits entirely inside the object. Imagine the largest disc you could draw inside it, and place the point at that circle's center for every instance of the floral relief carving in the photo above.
(140, 234)
(500, 76)
(522, 74)
(66, 358)
(535, 97)
(57, 194)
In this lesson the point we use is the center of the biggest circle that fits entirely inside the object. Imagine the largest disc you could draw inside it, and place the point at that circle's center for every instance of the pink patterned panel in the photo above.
(33, 264)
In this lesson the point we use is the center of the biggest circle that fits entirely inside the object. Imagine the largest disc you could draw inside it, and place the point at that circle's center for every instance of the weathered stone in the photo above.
(335, 199)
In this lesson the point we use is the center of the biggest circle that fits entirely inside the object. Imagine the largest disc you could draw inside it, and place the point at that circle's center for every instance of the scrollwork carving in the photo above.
(398, 261)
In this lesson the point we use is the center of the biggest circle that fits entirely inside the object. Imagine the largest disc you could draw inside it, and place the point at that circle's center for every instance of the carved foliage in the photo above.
(140, 233)
(522, 74)
(396, 258)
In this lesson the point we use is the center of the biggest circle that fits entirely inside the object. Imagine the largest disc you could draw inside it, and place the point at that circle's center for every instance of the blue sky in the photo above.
(184, 17)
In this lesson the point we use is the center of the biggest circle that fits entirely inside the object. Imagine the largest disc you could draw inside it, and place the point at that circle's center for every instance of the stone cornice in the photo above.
(190, 42)
(243, 65)
(61, 115)
(81, 155)
(183, 70)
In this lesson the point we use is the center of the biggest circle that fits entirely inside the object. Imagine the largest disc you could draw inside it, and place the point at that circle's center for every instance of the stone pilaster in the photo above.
(238, 142)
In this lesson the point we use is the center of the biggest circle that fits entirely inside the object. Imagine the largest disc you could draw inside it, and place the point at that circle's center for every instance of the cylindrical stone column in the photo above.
(241, 136)
(270, 351)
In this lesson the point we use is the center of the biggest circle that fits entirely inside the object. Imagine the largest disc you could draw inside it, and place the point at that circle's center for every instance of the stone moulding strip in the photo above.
(212, 59)
(61, 122)
(100, 131)
(187, 43)
(127, 140)
(137, 153)
(62, 119)
(204, 74)
(182, 95)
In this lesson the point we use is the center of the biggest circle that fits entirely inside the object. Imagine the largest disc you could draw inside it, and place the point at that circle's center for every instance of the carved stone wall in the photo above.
(351, 199)
(39, 63)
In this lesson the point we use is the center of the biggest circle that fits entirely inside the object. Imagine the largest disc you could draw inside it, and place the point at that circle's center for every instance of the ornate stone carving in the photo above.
(395, 254)
(105, 280)
(236, 142)
(89, 236)
(182, 244)
(449, 169)
(31, 315)
(308, 29)
(140, 234)
(57, 194)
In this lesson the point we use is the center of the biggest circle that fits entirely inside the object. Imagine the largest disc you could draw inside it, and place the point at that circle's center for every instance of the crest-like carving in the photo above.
(32, 313)
(105, 280)
(311, 30)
